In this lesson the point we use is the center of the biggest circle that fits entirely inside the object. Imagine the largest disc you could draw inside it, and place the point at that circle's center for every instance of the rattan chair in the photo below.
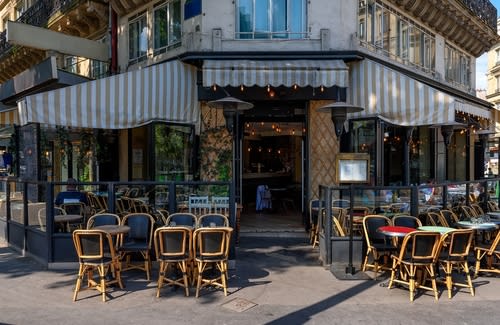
(314, 206)
(199, 205)
(181, 219)
(419, 251)
(406, 221)
(96, 251)
(490, 253)
(137, 241)
(173, 248)
(378, 246)
(454, 256)
(448, 218)
(468, 212)
(433, 219)
(477, 209)
(101, 219)
(493, 206)
(212, 220)
(211, 251)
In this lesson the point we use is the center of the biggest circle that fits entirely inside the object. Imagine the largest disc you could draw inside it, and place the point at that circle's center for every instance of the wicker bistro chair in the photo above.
(419, 251)
(406, 221)
(378, 246)
(454, 256)
(199, 205)
(212, 220)
(137, 240)
(173, 248)
(468, 212)
(220, 204)
(314, 206)
(96, 251)
(477, 209)
(181, 219)
(493, 206)
(101, 219)
(490, 253)
(211, 249)
(448, 218)
(433, 219)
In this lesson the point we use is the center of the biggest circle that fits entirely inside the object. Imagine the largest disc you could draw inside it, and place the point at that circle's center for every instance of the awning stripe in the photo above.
(163, 92)
(9, 117)
(402, 99)
(275, 73)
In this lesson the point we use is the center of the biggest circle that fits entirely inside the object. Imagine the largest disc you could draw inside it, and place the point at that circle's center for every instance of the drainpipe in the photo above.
(113, 19)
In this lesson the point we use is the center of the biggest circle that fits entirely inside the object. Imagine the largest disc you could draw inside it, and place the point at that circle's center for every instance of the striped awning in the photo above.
(9, 117)
(403, 100)
(287, 73)
(163, 92)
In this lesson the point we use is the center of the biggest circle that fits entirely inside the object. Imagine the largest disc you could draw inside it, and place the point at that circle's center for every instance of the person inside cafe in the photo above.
(483, 198)
(71, 195)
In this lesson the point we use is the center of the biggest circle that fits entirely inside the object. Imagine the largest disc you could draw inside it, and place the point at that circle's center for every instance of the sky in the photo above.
(482, 61)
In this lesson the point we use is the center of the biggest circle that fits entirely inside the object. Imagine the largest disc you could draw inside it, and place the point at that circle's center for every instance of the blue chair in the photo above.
(102, 219)
(137, 240)
(263, 199)
(213, 220)
(181, 219)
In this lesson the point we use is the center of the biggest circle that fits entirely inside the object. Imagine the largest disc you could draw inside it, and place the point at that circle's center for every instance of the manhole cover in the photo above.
(239, 305)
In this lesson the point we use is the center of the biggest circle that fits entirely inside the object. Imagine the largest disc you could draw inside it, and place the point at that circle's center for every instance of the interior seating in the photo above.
(199, 205)
(96, 251)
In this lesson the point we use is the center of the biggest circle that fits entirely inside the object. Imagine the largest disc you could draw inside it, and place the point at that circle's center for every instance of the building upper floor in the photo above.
(437, 38)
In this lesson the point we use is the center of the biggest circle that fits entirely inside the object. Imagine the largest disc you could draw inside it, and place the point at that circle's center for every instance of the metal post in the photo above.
(350, 267)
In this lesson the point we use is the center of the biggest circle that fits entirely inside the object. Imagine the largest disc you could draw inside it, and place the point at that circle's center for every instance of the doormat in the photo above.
(239, 305)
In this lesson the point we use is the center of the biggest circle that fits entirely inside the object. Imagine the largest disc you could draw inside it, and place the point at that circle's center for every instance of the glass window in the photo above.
(173, 152)
(263, 19)
(138, 39)
(457, 64)
(381, 29)
(167, 25)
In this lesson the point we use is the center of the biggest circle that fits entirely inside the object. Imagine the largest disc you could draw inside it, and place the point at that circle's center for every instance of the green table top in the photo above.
(439, 229)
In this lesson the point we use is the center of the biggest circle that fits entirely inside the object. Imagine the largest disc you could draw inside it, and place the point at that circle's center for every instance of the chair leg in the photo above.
(79, 280)
(469, 281)
(449, 282)
(161, 276)
(102, 278)
(183, 267)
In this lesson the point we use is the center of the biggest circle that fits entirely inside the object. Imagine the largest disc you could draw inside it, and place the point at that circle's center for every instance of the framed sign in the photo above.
(353, 167)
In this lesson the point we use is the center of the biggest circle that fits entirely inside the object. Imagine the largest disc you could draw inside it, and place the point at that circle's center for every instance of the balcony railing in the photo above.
(484, 10)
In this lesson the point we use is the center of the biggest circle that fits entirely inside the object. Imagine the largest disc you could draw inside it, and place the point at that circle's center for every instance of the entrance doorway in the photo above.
(272, 180)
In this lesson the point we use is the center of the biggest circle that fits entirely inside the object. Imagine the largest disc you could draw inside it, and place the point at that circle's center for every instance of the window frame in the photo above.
(269, 32)
(140, 17)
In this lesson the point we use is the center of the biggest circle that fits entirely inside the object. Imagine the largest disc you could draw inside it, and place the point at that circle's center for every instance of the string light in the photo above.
(242, 88)
(321, 88)
(214, 87)
(295, 86)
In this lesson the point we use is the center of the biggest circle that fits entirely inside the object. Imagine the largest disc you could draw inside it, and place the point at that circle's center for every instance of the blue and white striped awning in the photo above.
(163, 92)
(248, 73)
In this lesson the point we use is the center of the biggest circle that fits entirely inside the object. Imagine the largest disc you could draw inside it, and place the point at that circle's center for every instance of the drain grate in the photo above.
(239, 305)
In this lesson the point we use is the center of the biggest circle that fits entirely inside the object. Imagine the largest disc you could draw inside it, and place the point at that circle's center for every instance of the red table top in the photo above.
(395, 230)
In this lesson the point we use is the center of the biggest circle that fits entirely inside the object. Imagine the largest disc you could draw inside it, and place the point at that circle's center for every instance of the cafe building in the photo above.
(408, 65)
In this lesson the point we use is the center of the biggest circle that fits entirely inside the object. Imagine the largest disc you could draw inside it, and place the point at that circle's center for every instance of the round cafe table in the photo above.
(486, 226)
(441, 230)
(494, 214)
(114, 230)
(67, 219)
(395, 231)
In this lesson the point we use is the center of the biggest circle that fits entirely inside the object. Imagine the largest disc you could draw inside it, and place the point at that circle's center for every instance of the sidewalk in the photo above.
(280, 279)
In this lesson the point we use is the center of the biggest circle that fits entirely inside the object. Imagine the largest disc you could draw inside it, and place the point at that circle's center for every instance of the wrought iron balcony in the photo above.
(484, 10)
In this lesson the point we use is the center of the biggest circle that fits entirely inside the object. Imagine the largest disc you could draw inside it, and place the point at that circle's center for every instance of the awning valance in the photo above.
(287, 73)
(163, 92)
(9, 117)
(402, 99)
